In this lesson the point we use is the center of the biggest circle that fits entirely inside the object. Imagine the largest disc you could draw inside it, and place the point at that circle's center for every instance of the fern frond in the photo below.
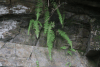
(30, 25)
(46, 14)
(50, 39)
(69, 52)
(46, 21)
(59, 14)
(36, 26)
(63, 34)
(40, 24)
(73, 50)
(60, 17)
(38, 8)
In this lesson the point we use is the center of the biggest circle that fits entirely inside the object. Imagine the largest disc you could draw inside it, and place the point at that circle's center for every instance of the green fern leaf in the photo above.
(73, 50)
(38, 9)
(50, 38)
(69, 52)
(64, 47)
(65, 36)
(67, 63)
(46, 21)
(36, 26)
(70, 65)
(60, 16)
(31, 21)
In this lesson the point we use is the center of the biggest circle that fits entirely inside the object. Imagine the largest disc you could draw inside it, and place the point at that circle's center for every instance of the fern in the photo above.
(65, 37)
(38, 9)
(69, 41)
(69, 52)
(36, 26)
(50, 38)
(30, 25)
(50, 33)
(60, 16)
(46, 21)
(48, 27)
(37, 63)
(73, 50)
(36, 23)
(68, 63)
(63, 47)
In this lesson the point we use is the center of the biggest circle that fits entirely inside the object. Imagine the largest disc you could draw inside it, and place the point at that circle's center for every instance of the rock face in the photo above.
(17, 7)
(12, 54)
(17, 48)
(93, 43)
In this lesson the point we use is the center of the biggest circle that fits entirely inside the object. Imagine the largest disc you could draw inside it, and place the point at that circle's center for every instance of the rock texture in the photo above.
(81, 24)
(13, 54)
(18, 7)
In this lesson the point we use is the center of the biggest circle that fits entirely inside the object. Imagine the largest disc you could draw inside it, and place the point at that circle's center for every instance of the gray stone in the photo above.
(80, 28)
(22, 52)
(24, 38)
(1, 44)
(18, 7)
(5, 26)
(93, 48)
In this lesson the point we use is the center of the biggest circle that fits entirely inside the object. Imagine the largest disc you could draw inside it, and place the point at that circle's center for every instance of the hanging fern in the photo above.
(36, 26)
(48, 27)
(46, 20)
(36, 23)
(63, 34)
(38, 8)
(50, 38)
(30, 25)
(59, 14)
(48, 30)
